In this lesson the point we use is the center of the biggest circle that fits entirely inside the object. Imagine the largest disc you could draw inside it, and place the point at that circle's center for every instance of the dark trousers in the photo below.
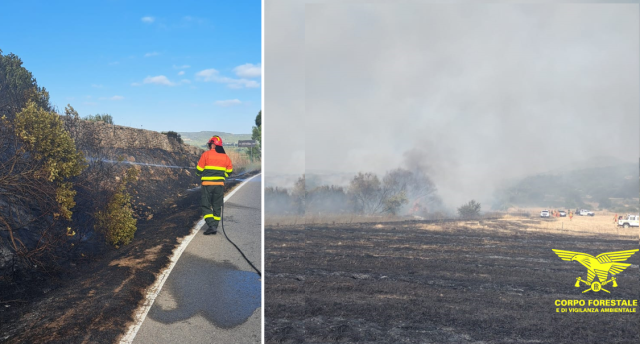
(211, 202)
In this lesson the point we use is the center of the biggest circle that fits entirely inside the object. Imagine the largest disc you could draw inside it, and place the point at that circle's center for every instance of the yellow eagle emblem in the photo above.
(601, 266)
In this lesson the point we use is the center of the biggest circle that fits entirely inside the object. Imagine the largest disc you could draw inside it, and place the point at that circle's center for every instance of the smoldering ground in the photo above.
(475, 94)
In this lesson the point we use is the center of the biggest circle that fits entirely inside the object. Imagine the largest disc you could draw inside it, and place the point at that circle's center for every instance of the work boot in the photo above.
(211, 230)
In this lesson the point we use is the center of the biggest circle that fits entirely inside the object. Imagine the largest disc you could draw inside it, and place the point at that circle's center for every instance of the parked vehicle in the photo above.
(544, 213)
(563, 213)
(585, 212)
(629, 221)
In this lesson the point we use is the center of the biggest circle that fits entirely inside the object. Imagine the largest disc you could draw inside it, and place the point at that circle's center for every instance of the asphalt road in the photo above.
(212, 294)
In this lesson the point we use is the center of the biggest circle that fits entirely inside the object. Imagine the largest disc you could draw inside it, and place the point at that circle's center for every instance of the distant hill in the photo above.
(609, 184)
(594, 162)
(200, 138)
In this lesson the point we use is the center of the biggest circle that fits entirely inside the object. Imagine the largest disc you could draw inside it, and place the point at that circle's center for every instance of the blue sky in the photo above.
(181, 66)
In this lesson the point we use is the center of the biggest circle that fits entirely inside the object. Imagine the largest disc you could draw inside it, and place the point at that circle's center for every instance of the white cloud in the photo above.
(96, 85)
(181, 67)
(248, 70)
(185, 81)
(158, 80)
(229, 102)
(181, 72)
(154, 53)
(208, 74)
(90, 103)
(136, 84)
(212, 75)
(240, 83)
(113, 63)
(148, 20)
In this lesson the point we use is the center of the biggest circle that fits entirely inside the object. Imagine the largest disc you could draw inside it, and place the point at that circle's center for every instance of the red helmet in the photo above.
(216, 140)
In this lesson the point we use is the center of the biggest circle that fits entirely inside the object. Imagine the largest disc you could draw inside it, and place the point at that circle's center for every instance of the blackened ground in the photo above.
(400, 283)
(96, 302)
(154, 192)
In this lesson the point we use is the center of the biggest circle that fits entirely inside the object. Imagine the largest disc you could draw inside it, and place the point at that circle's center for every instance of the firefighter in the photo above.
(213, 168)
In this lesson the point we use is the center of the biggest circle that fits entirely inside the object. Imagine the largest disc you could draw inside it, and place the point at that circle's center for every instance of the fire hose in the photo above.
(232, 243)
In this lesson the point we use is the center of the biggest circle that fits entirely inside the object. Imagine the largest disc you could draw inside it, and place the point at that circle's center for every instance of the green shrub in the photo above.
(469, 210)
(100, 118)
(173, 135)
(44, 137)
(116, 221)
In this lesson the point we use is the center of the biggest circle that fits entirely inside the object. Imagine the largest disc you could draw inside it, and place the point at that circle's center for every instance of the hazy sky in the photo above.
(474, 93)
(181, 66)
(283, 128)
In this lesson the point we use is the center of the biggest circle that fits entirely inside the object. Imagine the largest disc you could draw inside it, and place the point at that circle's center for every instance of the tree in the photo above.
(43, 135)
(298, 195)
(277, 201)
(416, 188)
(326, 199)
(469, 210)
(173, 135)
(18, 87)
(259, 119)
(398, 187)
(256, 135)
(366, 193)
(38, 163)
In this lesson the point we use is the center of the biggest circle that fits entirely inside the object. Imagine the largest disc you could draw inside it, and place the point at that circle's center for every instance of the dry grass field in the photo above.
(601, 223)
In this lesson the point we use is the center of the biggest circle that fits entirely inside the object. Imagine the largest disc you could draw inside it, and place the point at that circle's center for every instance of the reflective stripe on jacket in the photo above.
(214, 167)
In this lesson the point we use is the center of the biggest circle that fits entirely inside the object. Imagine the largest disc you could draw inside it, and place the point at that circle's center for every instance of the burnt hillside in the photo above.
(109, 151)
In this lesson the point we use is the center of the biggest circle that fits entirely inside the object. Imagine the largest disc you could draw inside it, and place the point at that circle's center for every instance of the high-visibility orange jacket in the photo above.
(214, 168)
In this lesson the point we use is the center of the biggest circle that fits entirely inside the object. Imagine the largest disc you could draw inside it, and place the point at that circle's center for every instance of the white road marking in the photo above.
(154, 290)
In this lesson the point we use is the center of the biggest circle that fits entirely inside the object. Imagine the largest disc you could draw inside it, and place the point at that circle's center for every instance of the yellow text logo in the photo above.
(603, 265)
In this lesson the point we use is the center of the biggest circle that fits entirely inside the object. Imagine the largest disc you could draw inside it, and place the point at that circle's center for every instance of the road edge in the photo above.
(154, 290)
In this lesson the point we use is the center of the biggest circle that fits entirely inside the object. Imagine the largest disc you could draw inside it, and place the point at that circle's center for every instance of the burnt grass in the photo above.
(95, 301)
(398, 283)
